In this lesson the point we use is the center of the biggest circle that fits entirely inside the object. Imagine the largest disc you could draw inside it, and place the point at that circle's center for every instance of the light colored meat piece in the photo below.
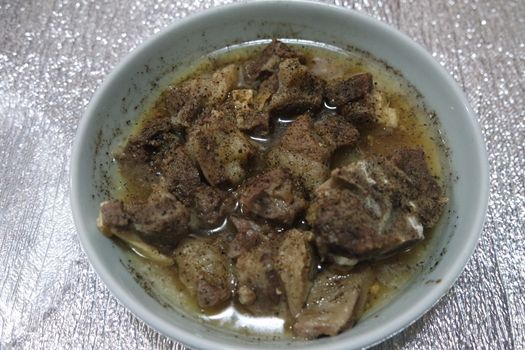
(205, 270)
(222, 82)
(312, 173)
(334, 304)
(247, 109)
(258, 284)
(295, 264)
(259, 287)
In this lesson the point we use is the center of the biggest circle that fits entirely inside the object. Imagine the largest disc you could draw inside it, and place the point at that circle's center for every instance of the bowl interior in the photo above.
(129, 88)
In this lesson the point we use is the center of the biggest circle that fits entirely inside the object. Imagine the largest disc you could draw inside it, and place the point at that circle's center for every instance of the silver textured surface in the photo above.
(54, 54)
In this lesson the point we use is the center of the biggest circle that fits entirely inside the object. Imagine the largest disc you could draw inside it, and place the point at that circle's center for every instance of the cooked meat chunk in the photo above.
(183, 103)
(360, 102)
(161, 221)
(366, 209)
(267, 62)
(362, 112)
(341, 92)
(222, 82)
(205, 270)
(336, 131)
(113, 216)
(273, 195)
(300, 138)
(299, 91)
(334, 304)
(209, 205)
(220, 149)
(181, 175)
(354, 214)
(259, 285)
(302, 152)
(268, 87)
(114, 220)
(296, 266)
(248, 110)
(212, 204)
(426, 195)
(249, 235)
(187, 102)
(373, 108)
(143, 154)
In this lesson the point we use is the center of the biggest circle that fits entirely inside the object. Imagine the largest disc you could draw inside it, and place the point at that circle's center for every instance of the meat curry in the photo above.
(270, 185)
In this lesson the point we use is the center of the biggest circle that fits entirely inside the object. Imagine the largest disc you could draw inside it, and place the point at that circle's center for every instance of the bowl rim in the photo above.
(373, 337)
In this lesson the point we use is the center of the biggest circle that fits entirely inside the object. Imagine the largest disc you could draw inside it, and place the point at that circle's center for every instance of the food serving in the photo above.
(288, 182)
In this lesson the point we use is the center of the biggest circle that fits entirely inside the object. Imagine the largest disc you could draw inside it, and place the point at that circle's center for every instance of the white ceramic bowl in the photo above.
(122, 95)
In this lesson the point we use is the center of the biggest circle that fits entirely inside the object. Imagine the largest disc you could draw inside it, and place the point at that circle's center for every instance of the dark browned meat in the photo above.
(205, 270)
(269, 87)
(374, 108)
(366, 209)
(161, 221)
(181, 175)
(341, 92)
(302, 152)
(273, 195)
(354, 99)
(296, 266)
(336, 131)
(362, 112)
(183, 103)
(187, 102)
(144, 152)
(267, 62)
(249, 235)
(354, 214)
(299, 91)
(426, 195)
(220, 149)
(334, 304)
(209, 205)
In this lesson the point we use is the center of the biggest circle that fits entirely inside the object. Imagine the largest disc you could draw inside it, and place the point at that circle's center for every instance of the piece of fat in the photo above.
(386, 115)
